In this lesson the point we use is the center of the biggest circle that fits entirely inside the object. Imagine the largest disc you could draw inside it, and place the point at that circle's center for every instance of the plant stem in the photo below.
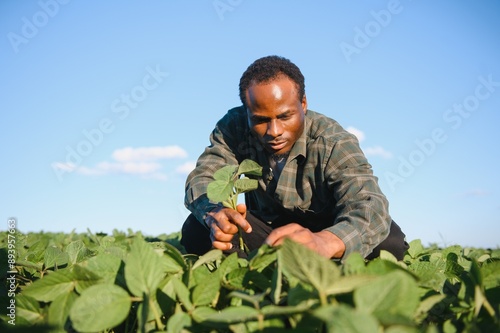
(234, 203)
(322, 298)
(159, 324)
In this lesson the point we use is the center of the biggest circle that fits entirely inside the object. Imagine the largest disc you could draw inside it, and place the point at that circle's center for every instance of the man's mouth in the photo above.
(276, 146)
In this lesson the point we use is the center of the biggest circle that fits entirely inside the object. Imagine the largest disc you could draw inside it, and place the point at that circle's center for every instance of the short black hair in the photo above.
(269, 68)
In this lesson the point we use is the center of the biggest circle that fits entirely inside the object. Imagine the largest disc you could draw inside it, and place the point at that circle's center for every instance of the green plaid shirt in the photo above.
(326, 182)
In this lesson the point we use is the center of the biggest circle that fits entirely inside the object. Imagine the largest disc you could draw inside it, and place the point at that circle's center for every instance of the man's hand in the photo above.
(223, 224)
(324, 242)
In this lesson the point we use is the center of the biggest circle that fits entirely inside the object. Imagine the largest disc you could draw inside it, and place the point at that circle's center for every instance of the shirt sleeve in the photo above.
(218, 154)
(362, 218)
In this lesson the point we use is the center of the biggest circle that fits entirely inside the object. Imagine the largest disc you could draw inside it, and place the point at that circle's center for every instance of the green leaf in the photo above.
(51, 286)
(165, 296)
(177, 322)
(301, 293)
(201, 313)
(143, 269)
(199, 275)
(30, 265)
(389, 297)
(265, 256)
(28, 309)
(244, 185)
(60, 282)
(209, 257)
(431, 274)
(147, 311)
(231, 315)
(242, 278)
(416, 248)
(173, 262)
(226, 173)
(280, 310)
(77, 252)
(307, 265)
(55, 257)
(222, 188)
(219, 190)
(235, 279)
(379, 266)
(36, 251)
(105, 265)
(354, 264)
(229, 264)
(182, 293)
(59, 309)
(347, 320)
(491, 274)
(249, 168)
(100, 307)
(453, 268)
(84, 278)
(426, 305)
(207, 291)
(480, 299)
(407, 329)
(347, 284)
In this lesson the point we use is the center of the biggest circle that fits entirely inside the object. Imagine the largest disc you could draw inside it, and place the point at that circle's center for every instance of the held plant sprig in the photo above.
(228, 184)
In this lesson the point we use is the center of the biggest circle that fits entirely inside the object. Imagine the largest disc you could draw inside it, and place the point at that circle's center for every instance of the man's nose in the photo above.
(274, 129)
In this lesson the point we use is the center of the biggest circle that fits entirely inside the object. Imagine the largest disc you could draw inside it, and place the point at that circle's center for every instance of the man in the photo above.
(317, 189)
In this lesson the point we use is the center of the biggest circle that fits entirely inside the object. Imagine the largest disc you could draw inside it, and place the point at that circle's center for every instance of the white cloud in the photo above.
(130, 154)
(369, 151)
(474, 193)
(377, 151)
(358, 133)
(132, 161)
(186, 168)
(147, 170)
(137, 168)
(66, 167)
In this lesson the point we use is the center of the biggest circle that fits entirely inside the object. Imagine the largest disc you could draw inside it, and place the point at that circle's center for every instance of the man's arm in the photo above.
(362, 218)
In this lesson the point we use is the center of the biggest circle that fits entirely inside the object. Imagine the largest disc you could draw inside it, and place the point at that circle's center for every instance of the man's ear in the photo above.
(304, 104)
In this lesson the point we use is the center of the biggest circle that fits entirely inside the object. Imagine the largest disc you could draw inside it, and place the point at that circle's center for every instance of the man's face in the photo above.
(275, 113)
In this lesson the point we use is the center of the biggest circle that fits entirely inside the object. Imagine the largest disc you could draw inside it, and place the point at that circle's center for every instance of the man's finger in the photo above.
(224, 246)
(222, 221)
(277, 236)
(239, 220)
(217, 234)
(242, 209)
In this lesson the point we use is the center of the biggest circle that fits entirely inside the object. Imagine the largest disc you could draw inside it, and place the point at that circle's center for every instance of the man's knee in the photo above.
(395, 243)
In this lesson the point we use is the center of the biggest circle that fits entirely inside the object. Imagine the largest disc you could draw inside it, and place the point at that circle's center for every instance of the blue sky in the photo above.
(106, 105)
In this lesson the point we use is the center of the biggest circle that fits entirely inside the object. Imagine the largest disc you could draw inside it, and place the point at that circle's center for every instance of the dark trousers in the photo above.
(196, 238)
